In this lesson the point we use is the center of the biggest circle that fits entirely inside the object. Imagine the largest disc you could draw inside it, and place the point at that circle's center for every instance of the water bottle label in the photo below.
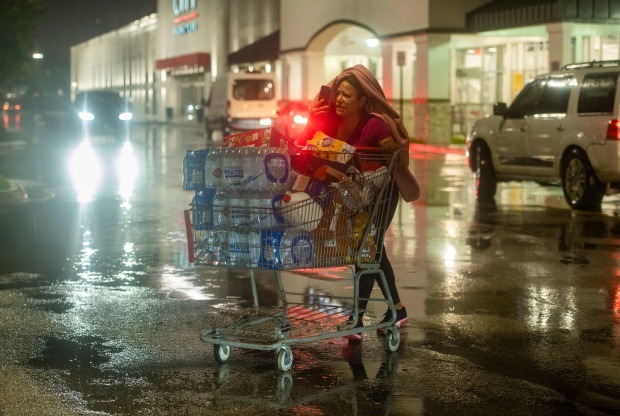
(239, 212)
(213, 168)
(277, 168)
(270, 248)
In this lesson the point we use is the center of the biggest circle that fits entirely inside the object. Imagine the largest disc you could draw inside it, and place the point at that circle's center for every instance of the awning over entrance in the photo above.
(192, 63)
(503, 14)
(264, 49)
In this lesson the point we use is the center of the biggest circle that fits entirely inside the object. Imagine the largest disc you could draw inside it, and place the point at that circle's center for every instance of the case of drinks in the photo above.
(253, 209)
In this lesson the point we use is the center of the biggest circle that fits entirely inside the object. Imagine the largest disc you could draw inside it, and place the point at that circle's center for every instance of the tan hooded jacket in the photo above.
(379, 107)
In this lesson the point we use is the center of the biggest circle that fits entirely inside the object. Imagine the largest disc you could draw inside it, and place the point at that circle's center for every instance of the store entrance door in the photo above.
(192, 93)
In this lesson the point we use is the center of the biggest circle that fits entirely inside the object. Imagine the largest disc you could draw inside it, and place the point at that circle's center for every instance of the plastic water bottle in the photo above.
(206, 247)
(213, 168)
(296, 249)
(203, 208)
(221, 211)
(261, 211)
(239, 211)
(222, 250)
(193, 169)
(238, 249)
(253, 169)
(270, 248)
(254, 248)
(232, 168)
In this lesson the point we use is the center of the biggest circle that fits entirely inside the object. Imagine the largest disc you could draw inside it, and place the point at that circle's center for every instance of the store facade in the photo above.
(440, 70)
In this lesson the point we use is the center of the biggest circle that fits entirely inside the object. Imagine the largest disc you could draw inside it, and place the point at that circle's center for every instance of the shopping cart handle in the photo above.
(368, 149)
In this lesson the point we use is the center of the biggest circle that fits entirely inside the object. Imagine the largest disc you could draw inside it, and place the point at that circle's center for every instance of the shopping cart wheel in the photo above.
(392, 338)
(285, 358)
(221, 353)
(285, 384)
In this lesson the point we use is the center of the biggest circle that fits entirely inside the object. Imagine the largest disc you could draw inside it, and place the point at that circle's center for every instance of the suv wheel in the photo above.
(582, 189)
(486, 182)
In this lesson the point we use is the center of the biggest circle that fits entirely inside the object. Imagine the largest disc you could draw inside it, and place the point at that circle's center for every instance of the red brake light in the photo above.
(613, 130)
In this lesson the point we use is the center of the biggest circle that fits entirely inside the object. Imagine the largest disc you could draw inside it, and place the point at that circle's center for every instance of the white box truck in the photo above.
(240, 101)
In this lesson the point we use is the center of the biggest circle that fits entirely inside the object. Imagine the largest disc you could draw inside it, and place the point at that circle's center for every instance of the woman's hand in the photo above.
(318, 108)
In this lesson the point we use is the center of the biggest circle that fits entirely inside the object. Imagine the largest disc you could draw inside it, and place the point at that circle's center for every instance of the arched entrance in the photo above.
(335, 48)
(344, 44)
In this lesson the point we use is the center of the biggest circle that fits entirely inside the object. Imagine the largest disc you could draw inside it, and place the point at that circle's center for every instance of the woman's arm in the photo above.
(318, 110)
(389, 146)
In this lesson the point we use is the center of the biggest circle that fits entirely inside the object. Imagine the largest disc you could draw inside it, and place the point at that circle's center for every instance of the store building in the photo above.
(440, 69)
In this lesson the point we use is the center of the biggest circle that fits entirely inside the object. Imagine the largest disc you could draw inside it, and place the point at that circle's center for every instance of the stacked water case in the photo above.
(235, 208)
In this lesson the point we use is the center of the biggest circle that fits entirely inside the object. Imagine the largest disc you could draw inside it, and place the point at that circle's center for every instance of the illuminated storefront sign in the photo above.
(180, 7)
(184, 11)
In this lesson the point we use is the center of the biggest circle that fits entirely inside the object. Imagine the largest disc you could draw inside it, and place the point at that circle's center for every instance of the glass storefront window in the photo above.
(601, 48)
(479, 80)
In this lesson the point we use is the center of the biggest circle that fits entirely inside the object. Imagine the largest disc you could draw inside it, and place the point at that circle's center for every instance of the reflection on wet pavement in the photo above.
(514, 306)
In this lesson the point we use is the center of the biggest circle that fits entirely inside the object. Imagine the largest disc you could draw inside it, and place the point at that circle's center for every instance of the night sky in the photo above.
(68, 22)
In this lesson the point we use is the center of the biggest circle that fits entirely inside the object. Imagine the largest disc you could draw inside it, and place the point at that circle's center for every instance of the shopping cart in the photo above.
(343, 226)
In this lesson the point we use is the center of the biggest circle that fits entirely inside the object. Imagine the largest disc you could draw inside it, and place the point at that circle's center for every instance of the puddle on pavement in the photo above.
(81, 352)
(51, 302)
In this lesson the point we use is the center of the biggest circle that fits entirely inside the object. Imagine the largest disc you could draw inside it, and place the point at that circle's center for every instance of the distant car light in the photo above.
(126, 116)
(299, 119)
(265, 122)
(86, 116)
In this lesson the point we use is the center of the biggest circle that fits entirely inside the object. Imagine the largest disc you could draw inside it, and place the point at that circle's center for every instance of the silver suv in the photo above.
(562, 128)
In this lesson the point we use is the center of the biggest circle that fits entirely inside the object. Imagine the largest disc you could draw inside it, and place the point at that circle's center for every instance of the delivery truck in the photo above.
(240, 101)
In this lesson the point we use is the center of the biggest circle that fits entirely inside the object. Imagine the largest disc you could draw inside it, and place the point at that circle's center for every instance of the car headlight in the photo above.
(299, 119)
(265, 122)
(126, 116)
(86, 116)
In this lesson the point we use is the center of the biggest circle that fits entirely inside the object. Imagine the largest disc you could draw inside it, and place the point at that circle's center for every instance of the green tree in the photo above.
(18, 19)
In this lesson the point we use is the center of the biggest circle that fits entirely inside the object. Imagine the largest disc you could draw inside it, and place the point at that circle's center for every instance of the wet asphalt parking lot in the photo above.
(514, 307)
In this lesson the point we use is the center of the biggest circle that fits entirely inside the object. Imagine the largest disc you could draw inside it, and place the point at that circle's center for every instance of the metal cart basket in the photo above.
(344, 225)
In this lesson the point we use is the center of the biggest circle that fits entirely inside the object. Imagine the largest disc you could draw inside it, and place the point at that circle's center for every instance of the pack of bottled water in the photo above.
(235, 203)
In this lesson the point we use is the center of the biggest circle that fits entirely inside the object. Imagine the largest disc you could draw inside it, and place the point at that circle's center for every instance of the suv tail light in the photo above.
(613, 130)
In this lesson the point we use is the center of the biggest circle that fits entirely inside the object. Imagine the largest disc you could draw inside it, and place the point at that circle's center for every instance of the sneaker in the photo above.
(359, 324)
(401, 318)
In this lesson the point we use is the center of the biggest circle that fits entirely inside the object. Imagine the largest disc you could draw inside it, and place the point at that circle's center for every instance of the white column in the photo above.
(387, 53)
(560, 48)
(432, 113)
(312, 73)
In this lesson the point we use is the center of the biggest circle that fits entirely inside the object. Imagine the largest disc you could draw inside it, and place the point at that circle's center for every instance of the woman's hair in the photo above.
(352, 79)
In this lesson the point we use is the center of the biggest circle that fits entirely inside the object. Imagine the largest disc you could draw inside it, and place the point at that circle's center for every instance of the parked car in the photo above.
(102, 111)
(11, 105)
(563, 128)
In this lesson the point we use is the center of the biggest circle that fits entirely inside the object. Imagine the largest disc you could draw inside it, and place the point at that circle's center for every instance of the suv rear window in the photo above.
(597, 93)
(253, 89)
